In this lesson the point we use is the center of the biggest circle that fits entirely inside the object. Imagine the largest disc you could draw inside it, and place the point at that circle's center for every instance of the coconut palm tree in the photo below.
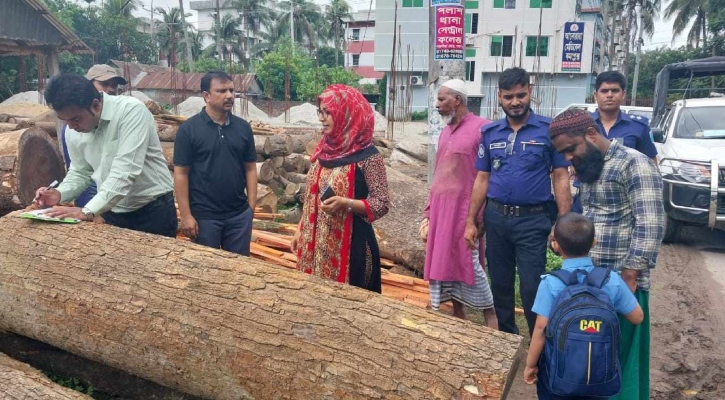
(684, 12)
(307, 20)
(228, 35)
(121, 8)
(275, 31)
(336, 13)
(253, 16)
(170, 31)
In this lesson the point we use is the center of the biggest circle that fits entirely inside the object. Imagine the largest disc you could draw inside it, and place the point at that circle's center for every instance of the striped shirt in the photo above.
(626, 207)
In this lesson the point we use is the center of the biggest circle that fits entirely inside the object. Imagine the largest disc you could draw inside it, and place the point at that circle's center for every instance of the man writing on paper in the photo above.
(112, 141)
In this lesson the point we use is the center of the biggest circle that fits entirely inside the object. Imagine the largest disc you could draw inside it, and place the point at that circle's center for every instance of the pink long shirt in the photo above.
(447, 256)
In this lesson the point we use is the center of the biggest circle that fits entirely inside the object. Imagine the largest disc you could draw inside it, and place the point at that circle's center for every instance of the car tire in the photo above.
(672, 230)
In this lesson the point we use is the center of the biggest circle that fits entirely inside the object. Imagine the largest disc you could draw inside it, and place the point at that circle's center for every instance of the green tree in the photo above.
(272, 68)
(336, 13)
(169, 33)
(326, 56)
(307, 21)
(686, 12)
(228, 34)
(268, 40)
(314, 80)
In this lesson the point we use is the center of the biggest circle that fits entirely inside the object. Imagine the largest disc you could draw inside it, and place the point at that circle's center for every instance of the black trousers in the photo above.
(157, 217)
(510, 242)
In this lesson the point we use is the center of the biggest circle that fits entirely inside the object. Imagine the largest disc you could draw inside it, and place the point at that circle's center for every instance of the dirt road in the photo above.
(688, 320)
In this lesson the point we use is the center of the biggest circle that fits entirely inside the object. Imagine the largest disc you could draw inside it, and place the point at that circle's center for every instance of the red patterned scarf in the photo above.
(353, 124)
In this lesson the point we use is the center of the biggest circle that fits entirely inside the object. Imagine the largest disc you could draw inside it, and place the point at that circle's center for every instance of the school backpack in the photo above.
(582, 337)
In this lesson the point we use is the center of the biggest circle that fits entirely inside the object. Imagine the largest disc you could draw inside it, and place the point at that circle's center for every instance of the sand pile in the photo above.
(253, 112)
(191, 106)
(24, 97)
(303, 114)
(137, 94)
(381, 123)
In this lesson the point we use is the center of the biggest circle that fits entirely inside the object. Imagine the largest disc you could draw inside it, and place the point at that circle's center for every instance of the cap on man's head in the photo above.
(572, 122)
(103, 73)
(456, 85)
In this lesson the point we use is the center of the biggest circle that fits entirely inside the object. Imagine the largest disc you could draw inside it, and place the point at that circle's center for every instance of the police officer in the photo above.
(632, 131)
(516, 164)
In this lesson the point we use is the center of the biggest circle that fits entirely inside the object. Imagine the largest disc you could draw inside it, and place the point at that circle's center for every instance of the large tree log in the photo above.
(29, 159)
(265, 172)
(296, 178)
(299, 142)
(168, 149)
(259, 142)
(167, 132)
(294, 163)
(400, 240)
(278, 145)
(21, 381)
(266, 199)
(6, 127)
(222, 326)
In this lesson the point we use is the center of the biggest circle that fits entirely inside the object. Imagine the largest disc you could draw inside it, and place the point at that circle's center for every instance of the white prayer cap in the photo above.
(456, 85)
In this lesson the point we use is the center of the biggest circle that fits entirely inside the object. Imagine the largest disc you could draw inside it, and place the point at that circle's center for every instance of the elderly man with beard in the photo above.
(621, 193)
(517, 164)
(454, 271)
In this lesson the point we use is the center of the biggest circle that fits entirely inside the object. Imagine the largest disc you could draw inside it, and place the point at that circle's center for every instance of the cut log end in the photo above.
(37, 162)
(21, 381)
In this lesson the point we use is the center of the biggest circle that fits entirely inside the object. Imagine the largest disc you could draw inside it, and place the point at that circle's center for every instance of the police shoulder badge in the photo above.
(481, 151)
(496, 163)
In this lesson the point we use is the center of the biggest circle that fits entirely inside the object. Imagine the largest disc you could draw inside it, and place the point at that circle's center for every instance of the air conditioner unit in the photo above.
(416, 80)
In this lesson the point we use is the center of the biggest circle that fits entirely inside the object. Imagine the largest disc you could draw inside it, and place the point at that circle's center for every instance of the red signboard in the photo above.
(449, 38)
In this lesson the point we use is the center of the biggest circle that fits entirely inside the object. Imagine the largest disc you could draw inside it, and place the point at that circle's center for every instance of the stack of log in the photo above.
(282, 159)
(13, 122)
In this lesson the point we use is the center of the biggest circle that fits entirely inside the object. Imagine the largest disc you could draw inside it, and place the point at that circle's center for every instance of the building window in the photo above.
(531, 46)
(507, 4)
(470, 71)
(472, 5)
(472, 23)
(355, 60)
(356, 34)
(540, 3)
(502, 46)
(470, 53)
(413, 3)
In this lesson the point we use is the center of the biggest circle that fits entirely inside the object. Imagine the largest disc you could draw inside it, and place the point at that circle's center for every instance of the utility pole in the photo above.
(190, 58)
(446, 60)
(219, 34)
(635, 80)
(291, 24)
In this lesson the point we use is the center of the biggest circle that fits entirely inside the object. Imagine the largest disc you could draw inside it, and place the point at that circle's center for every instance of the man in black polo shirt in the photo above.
(214, 162)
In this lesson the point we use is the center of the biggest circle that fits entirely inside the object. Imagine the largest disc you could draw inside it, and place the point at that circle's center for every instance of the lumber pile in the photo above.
(221, 326)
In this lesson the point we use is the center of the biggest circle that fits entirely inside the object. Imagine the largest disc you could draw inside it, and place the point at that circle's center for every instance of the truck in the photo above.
(690, 138)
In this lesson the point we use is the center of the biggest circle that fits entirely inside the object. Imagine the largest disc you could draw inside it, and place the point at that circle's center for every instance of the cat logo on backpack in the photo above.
(590, 326)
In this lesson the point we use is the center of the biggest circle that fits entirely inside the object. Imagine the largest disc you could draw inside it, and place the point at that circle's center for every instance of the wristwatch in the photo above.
(349, 206)
(88, 213)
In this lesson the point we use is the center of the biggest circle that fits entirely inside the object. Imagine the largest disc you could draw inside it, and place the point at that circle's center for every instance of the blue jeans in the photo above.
(233, 234)
(157, 217)
(510, 242)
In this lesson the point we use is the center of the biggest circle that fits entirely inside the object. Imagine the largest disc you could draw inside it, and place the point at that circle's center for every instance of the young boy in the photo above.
(573, 238)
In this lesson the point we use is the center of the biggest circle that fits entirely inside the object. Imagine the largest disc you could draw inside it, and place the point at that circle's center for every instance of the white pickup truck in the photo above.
(690, 140)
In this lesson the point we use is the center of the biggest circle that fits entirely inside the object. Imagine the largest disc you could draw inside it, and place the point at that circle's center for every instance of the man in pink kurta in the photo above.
(454, 271)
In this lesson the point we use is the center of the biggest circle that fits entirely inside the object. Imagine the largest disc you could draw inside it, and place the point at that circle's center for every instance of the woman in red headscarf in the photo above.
(335, 238)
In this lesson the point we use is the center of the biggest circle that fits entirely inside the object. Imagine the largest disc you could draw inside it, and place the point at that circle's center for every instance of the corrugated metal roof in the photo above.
(192, 82)
(134, 72)
(30, 23)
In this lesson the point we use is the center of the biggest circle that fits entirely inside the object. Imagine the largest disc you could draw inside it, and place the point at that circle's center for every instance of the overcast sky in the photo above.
(662, 35)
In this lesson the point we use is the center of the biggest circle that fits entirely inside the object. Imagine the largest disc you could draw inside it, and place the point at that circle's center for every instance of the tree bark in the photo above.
(400, 241)
(29, 159)
(21, 381)
(266, 199)
(296, 178)
(222, 326)
(278, 145)
(299, 142)
(294, 162)
(7, 127)
(259, 142)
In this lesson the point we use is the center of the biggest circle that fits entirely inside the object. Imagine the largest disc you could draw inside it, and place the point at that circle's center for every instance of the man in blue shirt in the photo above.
(516, 164)
(632, 131)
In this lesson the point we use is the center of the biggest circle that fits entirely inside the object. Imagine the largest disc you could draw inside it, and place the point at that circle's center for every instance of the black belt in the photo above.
(518, 211)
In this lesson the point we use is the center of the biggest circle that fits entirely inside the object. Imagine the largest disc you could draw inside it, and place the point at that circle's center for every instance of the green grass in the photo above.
(71, 383)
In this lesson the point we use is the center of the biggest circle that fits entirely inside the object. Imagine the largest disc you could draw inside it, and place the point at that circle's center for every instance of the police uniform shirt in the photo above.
(522, 177)
(631, 131)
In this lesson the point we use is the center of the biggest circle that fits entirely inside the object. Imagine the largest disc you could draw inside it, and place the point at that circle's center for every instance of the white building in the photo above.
(207, 12)
(501, 34)
(360, 46)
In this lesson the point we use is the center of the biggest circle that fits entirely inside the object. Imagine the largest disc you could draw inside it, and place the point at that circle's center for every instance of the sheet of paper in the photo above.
(40, 215)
